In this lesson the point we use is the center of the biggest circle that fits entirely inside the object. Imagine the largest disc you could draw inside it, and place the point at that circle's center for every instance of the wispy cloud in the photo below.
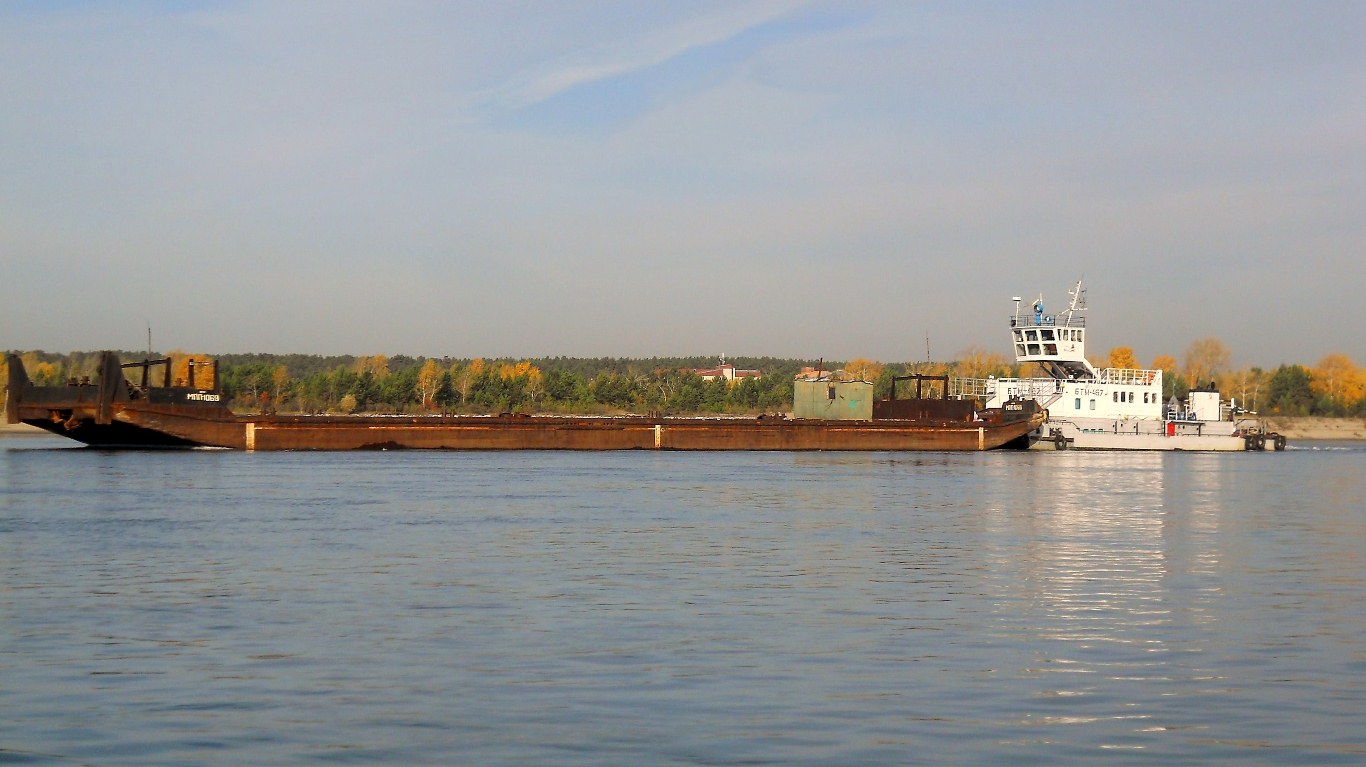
(653, 46)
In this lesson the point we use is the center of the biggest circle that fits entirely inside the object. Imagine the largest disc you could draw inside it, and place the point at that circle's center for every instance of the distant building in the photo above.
(727, 371)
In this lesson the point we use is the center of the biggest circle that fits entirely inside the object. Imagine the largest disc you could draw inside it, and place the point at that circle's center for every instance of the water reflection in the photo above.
(1094, 555)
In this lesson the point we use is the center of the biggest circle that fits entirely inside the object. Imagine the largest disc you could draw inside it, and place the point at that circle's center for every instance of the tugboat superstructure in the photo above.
(1108, 408)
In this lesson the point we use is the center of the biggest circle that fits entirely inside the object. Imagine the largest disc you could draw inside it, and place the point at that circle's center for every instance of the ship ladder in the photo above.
(1057, 395)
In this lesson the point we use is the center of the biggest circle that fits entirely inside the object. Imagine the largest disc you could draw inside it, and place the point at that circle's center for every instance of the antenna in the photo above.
(149, 338)
(1078, 302)
(1078, 295)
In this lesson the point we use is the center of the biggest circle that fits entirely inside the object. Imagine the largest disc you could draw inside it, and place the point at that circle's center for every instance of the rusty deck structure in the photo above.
(114, 412)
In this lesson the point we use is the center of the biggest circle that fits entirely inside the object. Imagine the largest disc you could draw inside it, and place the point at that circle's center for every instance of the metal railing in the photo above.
(972, 387)
(1031, 320)
(1129, 377)
(1037, 388)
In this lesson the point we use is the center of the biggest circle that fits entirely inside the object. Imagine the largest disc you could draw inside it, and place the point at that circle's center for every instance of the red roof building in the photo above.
(727, 371)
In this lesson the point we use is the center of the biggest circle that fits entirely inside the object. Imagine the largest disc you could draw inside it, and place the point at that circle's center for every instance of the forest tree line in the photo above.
(401, 384)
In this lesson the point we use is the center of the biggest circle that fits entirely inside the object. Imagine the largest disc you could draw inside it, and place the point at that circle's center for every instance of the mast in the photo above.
(1078, 302)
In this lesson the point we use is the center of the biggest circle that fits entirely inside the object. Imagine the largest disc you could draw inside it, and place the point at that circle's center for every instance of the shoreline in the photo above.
(1316, 427)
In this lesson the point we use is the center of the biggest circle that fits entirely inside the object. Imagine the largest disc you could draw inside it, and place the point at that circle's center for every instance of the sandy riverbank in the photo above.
(1317, 428)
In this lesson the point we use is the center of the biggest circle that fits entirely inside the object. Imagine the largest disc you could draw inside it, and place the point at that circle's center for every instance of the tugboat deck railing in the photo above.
(1047, 321)
(1041, 387)
(1128, 376)
(987, 387)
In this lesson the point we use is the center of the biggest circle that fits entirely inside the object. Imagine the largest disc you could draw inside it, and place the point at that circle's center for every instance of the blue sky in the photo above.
(637, 179)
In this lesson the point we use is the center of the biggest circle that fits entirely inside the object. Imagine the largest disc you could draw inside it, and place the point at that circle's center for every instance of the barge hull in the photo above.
(623, 434)
(134, 427)
(119, 415)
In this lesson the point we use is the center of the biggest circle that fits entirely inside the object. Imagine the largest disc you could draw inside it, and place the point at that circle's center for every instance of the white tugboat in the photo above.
(1111, 408)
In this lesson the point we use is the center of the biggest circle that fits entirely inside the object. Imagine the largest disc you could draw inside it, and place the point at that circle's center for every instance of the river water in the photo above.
(532, 608)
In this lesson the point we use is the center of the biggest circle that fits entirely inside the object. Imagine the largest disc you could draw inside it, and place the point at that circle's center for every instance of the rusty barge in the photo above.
(114, 411)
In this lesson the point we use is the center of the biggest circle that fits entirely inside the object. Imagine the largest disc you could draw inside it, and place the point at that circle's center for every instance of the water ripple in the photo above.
(637, 608)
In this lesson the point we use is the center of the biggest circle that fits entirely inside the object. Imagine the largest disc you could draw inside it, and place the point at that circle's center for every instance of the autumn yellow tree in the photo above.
(1204, 358)
(279, 378)
(1166, 363)
(181, 364)
(860, 369)
(40, 373)
(976, 362)
(932, 369)
(1170, 373)
(523, 369)
(1245, 385)
(377, 366)
(535, 388)
(428, 379)
(467, 376)
(1123, 357)
(1338, 380)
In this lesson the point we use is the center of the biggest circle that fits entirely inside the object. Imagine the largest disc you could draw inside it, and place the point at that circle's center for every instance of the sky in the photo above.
(750, 178)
